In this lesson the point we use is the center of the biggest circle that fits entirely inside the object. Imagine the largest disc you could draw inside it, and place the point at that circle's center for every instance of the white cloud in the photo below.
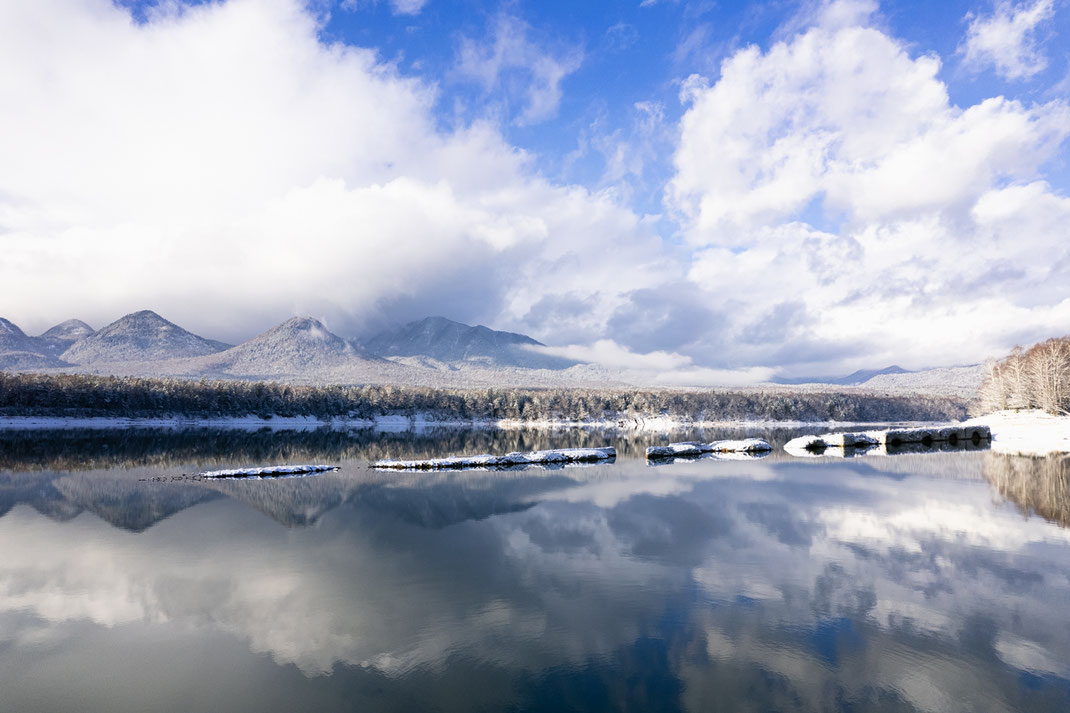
(656, 367)
(222, 165)
(1006, 40)
(510, 60)
(832, 172)
(608, 353)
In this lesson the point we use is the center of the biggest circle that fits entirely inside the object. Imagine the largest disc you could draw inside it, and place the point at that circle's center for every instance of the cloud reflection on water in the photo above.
(873, 581)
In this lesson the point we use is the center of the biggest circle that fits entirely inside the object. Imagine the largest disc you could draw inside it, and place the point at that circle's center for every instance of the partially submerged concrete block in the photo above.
(892, 440)
(692, 448)
(557, 455)
(270, 471)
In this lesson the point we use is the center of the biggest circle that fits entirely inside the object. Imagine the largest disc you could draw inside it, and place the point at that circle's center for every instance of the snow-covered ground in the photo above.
(1029, 432)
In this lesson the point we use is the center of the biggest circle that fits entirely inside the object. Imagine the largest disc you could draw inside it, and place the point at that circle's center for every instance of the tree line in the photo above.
(1034, 378)
(84, 395)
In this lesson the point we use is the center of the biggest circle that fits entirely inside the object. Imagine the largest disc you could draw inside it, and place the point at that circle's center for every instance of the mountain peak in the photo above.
(298, 345)
(449, 341)
(9, 328)
(71, 330)
(140, 336)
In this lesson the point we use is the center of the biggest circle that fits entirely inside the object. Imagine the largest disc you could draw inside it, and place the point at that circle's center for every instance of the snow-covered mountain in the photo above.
(444, 340)
(59, 339)
(961, 381)
(298, 345)
(13, 339)
(21, 352)
(139, 337)
(950, 380)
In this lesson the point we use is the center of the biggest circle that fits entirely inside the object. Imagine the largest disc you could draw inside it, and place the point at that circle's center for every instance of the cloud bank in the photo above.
(829, 207)
(224, 166)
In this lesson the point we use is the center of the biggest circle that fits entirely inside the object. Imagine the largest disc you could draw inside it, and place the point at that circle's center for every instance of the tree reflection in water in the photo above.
(1037, 485)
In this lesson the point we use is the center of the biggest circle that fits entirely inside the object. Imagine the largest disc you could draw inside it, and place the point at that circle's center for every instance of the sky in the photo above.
(731, 190)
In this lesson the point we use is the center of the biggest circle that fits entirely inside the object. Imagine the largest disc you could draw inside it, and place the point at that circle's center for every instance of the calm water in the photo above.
(933, 582)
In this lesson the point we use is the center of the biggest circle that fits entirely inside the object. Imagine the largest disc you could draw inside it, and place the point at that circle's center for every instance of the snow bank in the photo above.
(559, 455)
(270, 471)
(893, 440)
(693, 448)
(1030, 432)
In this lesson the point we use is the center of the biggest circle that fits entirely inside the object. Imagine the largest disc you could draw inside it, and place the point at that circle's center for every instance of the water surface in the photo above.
(931, 582)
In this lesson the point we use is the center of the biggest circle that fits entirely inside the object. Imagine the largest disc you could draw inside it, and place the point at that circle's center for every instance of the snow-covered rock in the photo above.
(693, 448)
(271, 471)
(892, 440)
(559, 455)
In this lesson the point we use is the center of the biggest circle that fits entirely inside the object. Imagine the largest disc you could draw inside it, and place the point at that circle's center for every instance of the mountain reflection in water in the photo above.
(881, 583)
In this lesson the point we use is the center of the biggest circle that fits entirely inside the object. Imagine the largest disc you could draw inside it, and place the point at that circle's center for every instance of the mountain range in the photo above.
(434, 351)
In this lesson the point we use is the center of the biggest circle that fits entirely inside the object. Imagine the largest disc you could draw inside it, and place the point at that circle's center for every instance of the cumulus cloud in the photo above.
(832, 171)
(1007, 39)
(512, 60)
(223, 165)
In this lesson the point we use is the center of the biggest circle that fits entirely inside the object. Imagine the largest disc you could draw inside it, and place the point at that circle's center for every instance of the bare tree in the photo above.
(1047, 370)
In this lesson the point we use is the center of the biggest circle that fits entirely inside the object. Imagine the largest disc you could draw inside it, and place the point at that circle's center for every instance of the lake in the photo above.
(918, 582)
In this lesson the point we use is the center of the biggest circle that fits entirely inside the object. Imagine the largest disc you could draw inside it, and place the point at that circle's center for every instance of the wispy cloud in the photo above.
(1007, 40)
(509, 61)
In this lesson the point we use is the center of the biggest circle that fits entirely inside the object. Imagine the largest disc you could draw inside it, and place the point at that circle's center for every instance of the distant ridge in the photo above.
(853, 379)
(448, 341)
(140, 337)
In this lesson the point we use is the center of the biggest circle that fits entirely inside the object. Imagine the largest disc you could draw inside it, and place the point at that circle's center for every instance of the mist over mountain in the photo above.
(140, 337)
(447, 341)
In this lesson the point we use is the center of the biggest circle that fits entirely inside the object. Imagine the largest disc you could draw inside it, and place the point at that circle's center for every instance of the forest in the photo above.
(1034, 378)
(80, 395)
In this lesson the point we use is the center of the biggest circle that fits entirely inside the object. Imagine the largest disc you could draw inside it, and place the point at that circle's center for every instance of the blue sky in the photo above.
(721, 191)
(633, 52)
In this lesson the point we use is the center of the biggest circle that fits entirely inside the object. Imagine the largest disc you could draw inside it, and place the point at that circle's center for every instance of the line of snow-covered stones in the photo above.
(890, 437)
(558, 455)
(694, 448)
(268, 471)
(751, 446)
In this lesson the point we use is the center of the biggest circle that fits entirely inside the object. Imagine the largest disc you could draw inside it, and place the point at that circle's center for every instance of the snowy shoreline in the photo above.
(397, 424)
(1030, 432)
(1021, 432)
